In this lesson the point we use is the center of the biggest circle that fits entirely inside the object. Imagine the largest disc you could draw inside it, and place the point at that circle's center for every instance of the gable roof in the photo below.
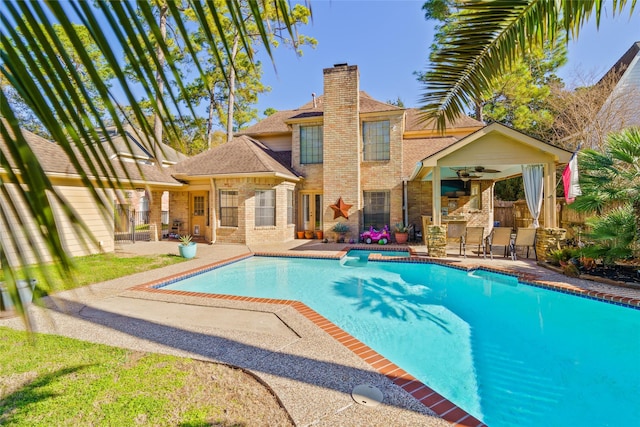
(622, 65)
(242, 155)
(135, 144)
(55, 161)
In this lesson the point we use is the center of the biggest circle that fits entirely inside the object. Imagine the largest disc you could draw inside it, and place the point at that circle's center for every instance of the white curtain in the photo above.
(532, 176)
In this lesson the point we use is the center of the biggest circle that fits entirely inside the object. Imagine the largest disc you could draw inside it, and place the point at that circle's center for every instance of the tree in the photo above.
(397, 102)
(269, 111)
(516, 97)
(485, 42)
(588, 111)
(72, 64)
(67, 104)
(612, 178)
(232, 97)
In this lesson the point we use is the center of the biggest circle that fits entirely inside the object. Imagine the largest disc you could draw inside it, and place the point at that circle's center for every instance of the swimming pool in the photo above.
(507, 353)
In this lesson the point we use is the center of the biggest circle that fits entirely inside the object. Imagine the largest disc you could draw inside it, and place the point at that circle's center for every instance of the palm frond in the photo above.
(40, 69)
(485, 39)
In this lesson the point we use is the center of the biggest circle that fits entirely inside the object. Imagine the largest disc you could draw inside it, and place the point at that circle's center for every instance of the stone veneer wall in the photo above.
(341, 144)
(547, 241)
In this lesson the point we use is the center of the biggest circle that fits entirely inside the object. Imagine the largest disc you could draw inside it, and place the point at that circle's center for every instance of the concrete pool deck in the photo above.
(305, 362)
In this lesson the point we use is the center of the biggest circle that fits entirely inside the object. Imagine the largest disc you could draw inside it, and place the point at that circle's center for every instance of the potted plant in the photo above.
(319, 234)
(186, 247)
(300, 234)
(308, 234)
(341, 229)
(401, 233)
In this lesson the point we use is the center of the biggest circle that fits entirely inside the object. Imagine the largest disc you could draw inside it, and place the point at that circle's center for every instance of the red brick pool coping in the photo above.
(441, 406)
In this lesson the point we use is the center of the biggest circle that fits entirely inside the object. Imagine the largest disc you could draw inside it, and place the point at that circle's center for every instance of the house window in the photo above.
(290, 207)
(265, 208)
(228, 208)
(376, 209)
(198, 206)
(375, 139)
(310, 144)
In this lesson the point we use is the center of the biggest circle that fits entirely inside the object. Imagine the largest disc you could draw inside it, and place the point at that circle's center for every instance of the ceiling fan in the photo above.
(482, 169)
(465, 174)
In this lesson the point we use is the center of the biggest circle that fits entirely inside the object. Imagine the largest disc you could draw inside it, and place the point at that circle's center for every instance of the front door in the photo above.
(198, 213)
(312, 211)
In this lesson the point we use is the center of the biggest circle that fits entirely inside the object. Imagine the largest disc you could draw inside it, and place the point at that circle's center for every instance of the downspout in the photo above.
(405, 206)
(214, 222)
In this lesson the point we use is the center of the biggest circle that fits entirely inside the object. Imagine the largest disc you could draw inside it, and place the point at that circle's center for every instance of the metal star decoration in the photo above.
(340, 209)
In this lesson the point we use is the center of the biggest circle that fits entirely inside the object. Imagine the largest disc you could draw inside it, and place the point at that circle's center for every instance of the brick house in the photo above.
(284, 173)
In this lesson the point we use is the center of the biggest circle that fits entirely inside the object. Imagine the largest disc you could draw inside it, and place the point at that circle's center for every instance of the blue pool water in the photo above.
(509, 354)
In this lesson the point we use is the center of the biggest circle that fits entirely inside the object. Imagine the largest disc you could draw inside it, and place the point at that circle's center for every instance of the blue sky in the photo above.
(389, 40)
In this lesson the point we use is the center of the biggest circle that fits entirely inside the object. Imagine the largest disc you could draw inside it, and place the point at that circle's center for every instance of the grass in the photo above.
(99, 268)
(53, 380)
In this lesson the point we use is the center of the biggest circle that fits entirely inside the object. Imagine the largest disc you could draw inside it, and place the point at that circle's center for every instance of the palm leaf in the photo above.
(39, 69)
(485, 39)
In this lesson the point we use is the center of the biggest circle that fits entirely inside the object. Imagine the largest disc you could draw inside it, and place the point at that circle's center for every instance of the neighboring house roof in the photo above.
(242, 155)
(277, 122)
(54, 161)
(622, 65)
(134, 144)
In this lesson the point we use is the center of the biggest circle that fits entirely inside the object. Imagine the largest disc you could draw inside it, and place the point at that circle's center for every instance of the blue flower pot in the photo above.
(187, 251)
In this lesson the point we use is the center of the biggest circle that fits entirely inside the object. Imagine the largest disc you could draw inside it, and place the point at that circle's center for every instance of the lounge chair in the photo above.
(525, 237)
(472, 236)
(499, 236)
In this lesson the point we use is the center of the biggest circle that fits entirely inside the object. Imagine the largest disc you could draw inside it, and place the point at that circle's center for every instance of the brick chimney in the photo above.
(341, 142)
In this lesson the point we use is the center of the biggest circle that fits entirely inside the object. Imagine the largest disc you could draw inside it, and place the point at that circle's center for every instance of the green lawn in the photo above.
(48, 380)
(98, 268)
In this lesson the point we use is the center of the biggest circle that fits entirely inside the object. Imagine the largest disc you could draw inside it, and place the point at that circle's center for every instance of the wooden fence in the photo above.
(516, 214)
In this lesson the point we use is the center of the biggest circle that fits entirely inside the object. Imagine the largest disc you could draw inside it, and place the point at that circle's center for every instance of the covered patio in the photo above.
(453, 187)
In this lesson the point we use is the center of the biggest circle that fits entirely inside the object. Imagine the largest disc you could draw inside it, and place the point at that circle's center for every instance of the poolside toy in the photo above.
(381, 237)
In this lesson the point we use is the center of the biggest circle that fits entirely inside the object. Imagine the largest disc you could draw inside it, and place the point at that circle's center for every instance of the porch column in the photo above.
(435, 197)
(155, 215)
(549, 183)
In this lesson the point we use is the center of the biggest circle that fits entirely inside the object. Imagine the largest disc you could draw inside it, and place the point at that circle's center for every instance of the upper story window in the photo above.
(375, 139)
(310, 144)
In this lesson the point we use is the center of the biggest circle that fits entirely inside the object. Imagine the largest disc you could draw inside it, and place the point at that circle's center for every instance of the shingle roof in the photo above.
(414, 122)
(54, 160)
(276, 123)
(135, 142)
(414, 150)
(241, 155)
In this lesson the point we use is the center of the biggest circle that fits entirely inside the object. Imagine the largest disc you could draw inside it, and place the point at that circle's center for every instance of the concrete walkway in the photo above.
(310, 372)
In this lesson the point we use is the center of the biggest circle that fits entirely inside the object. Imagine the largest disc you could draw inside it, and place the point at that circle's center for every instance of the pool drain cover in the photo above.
(367, 395)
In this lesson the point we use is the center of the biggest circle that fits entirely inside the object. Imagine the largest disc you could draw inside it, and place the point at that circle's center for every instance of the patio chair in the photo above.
(499, 236)
(472, 236)
(525, 238)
